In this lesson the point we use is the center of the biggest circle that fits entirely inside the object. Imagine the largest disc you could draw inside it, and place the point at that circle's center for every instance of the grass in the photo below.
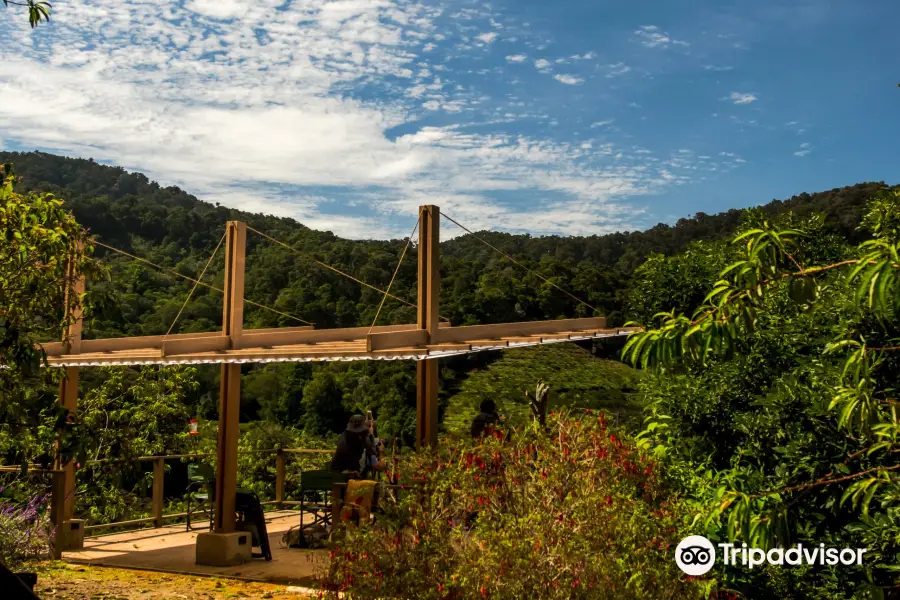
(65, 581)
(577, 380)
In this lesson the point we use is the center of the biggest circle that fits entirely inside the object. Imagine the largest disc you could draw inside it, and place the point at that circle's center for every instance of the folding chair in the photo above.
(251, 518)
(315, 497)
(202, 488)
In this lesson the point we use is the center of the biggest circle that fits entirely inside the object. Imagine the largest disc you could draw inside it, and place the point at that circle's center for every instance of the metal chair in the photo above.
(202, 488)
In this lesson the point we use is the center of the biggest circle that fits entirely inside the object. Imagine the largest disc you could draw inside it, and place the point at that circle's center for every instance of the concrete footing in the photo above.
(223, 549)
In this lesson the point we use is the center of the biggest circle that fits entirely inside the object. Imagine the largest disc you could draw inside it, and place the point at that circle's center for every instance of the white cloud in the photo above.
(652, 37)
(717, 68)
(805, 148)
(617, 69)
(487, 38)
(602, 123)
(568, 79)
(264, 114)
(741, 98)
(516, 58)
(542, 63)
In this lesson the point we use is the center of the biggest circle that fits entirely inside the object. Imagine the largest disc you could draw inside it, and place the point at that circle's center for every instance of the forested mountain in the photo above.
(172, 228)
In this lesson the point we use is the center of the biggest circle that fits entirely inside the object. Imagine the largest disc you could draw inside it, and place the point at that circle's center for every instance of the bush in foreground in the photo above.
(572, 511)
(24, 532)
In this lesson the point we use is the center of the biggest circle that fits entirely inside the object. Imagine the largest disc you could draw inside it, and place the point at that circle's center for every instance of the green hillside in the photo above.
(576, 379)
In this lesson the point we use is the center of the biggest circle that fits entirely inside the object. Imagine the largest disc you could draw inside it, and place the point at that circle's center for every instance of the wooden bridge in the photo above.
(424, 341)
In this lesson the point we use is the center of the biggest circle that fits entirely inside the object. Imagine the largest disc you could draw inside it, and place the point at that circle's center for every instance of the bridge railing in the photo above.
(157, 504)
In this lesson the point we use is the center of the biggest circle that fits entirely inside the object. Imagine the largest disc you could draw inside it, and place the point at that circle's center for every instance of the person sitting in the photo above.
(355, 449)
(485, 419)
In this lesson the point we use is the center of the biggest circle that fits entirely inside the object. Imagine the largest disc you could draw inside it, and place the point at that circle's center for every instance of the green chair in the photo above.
(201, 489)
(315, 497)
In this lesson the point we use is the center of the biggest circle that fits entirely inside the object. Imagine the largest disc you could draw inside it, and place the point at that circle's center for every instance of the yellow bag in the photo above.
(358, 500)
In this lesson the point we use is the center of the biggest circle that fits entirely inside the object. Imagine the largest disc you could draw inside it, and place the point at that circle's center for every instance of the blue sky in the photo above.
(570, 117)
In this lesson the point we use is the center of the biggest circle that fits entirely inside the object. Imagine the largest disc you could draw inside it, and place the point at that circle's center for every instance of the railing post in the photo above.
(279, 478)
(159, 471)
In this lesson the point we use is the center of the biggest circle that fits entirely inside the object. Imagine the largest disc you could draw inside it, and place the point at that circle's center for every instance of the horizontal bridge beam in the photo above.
(155, 341)
(186, 343)
(502, 330)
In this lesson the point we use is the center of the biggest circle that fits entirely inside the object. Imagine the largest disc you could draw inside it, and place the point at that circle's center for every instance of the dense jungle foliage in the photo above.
(772, 400)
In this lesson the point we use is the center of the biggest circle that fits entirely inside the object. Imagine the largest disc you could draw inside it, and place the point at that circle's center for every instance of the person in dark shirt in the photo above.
(355, 449)
(486, 418)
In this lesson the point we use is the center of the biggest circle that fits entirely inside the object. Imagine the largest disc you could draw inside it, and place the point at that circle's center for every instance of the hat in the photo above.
(357, 424)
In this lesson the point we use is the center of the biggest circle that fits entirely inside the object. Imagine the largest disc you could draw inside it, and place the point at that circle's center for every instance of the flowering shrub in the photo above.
(568, 511)
(24, 531)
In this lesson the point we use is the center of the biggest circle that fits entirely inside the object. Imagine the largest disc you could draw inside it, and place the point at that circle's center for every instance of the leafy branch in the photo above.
(37, 11)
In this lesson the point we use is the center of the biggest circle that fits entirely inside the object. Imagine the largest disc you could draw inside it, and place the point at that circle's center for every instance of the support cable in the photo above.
(196, 281)
(397, 270)
(335, 269)
(488, 244)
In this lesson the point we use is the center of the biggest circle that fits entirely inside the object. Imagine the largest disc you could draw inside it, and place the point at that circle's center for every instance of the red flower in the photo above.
(608, 500)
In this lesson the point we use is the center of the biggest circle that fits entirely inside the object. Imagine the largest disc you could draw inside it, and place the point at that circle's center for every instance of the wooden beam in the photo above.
(126, 343)
(279, 329)
(250, 338)
(172, 347)
(503, 330)
(233, 306)
(346, 334)
(230, 383)
(396, 339)
(428, 321)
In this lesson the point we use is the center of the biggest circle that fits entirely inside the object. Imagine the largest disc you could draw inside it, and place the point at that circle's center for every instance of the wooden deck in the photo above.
(170, 549)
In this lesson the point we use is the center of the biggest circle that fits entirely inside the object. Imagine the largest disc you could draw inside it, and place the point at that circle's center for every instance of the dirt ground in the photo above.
(63, 581)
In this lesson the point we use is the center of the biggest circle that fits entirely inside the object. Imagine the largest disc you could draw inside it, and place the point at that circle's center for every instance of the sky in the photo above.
(572, 117)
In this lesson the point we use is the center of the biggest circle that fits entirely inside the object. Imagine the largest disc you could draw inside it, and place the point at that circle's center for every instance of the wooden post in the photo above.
(62, 507)
(279, 478)
(230, 386)
(159, 472)
(428, 319)
(57, 512)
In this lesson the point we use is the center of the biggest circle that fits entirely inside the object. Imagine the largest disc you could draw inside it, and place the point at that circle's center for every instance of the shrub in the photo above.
(572, 511)
(24, 531)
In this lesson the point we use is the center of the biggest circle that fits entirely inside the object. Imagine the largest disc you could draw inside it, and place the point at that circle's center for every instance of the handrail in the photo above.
(103, 461)
(157, 502)
(157, 517)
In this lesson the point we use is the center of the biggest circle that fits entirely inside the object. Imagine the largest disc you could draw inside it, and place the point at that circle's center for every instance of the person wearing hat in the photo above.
(355, 449)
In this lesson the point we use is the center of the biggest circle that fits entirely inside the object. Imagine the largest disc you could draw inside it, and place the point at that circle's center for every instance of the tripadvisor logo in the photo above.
(696, 555)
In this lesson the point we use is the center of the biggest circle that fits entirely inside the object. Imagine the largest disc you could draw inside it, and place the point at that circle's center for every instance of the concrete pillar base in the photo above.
(224, 549)
(70, 535)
